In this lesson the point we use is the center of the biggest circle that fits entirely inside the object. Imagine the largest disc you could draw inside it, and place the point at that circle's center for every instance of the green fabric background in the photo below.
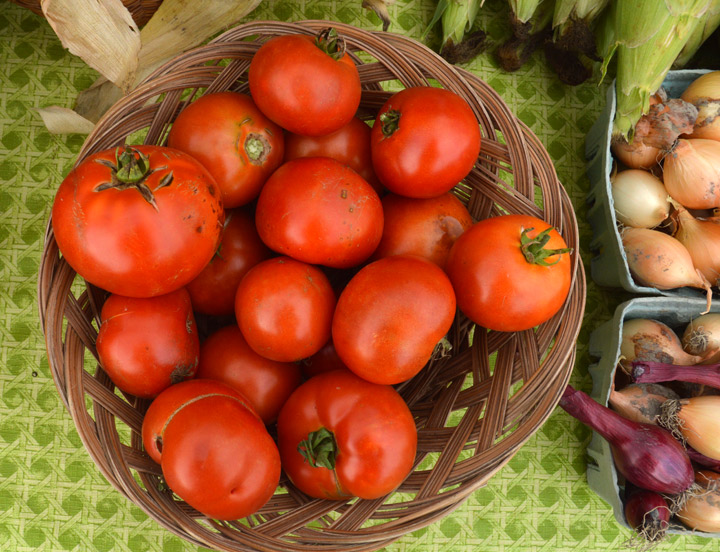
(52, 497)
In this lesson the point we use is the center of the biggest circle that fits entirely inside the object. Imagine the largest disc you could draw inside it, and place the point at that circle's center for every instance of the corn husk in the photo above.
(703, 29)
(645, 48)
(530, 21)
(62, 120)
(457, 18)
(380, 7)
(176, 26)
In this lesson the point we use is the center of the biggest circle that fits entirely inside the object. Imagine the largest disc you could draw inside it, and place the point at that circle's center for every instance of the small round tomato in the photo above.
(226, 356)
(319, 211)
(139, 222)
(171, 400)
(213, 290)
(424, 227)
(147, 344)
(307, 85)
(350, 145)
(219, 458)
(390, 317)
(510, 272)
(284, 309)
(341, 436)
(231, 137)
(325, 360)
(424, 141)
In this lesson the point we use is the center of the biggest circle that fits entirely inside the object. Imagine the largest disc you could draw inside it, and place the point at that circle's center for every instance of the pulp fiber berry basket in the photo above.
(473, 408)
(609, 266)
(675, 312)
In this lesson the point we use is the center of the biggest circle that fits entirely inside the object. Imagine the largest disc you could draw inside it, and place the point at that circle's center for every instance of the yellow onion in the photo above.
(695, 421)
(640, 199)
(702, 335)
(651, 340)
(658, 260)
(636, 155)
(702, 240)
(704, 93)
(701, 511)
(692, 173)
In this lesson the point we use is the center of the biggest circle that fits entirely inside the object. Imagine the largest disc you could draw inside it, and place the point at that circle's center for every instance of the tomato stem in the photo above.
(390, 122)
(534, 248)
(319, 449)
(131, 165)
(257, 148)
(330, 43)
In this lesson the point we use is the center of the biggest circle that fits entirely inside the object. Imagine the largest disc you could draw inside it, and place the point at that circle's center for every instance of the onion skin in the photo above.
(657, 372)
(648, 514)
(704, 94)
(651, 340)
(701, 335)
(702, 240)
(692, 173)
(647, 455)
(636, 155)
(639, 198)
(701, 511)
(660, 261)
(702, 460)
(641, 402)
(696, 421)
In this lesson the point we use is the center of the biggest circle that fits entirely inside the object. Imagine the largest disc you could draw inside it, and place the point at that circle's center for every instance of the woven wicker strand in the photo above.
(474, 408)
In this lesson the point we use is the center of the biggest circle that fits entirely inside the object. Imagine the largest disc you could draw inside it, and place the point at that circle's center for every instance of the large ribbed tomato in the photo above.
(341, 436)
(510, 272)
(138, 222)
(308, 85)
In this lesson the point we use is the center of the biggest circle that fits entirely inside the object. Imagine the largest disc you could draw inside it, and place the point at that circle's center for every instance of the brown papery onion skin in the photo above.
(696, 421)
(692, 173)
(640, 402)
(701, 511)
(661, 261)
(635, 155)
(651, 340)
(702, 240)
(704, 93)
(701, 335)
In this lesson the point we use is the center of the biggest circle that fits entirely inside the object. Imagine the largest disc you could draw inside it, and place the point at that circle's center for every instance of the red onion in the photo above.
(656, 372)
(648, 514)
(647, 455)
(703, 460)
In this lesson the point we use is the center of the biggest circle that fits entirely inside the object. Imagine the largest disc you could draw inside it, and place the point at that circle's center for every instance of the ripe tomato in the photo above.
(325, 360)
(284, 309)
(174, 398)
(510, 272)
(357, 438)
(226, 356)
(319, 211)
(231, 137)
(391, 316)
(141, 225)
(424, 141)
(424, 227)
(350, 145)
(213, 290)
(219, 458)
(307, 85)
(147, 344)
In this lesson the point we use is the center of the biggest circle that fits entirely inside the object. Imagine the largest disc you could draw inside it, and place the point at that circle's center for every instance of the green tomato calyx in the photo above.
(330, 43)
(320, 449)
(389, 122)
(534, 248)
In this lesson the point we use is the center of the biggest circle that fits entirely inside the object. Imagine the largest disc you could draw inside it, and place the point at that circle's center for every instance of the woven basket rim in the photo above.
(542, 360)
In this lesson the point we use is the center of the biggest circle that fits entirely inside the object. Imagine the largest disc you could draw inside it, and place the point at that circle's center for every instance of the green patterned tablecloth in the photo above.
(52, 497)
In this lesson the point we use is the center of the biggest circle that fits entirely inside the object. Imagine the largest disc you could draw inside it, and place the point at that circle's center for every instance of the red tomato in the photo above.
(423, 227)
(147, 344)
(138, 239)
(219, 458)
(367, 427)
(506, 285)
(424, 141)
(174, 398)
(231, 137)
(391, 316)
(213, 290)
(226, 356)
(350, 145)
(325, 360)
(284, 309)
(305, 84)
(319, 211)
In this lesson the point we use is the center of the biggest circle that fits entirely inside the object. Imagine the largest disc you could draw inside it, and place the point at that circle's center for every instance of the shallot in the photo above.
(695, 421)
(701, 511)
(640, 198)
(647, 455)
(648, 514)
(702, 240)
(640, 402)
(651, 340)
(702, 335)
(692, 173)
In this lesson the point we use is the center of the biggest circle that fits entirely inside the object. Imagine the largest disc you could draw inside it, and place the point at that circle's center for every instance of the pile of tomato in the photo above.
(332, 256)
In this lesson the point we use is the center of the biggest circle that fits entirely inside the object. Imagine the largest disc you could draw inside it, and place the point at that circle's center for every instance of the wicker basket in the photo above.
(474, 409)
(141, 10)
